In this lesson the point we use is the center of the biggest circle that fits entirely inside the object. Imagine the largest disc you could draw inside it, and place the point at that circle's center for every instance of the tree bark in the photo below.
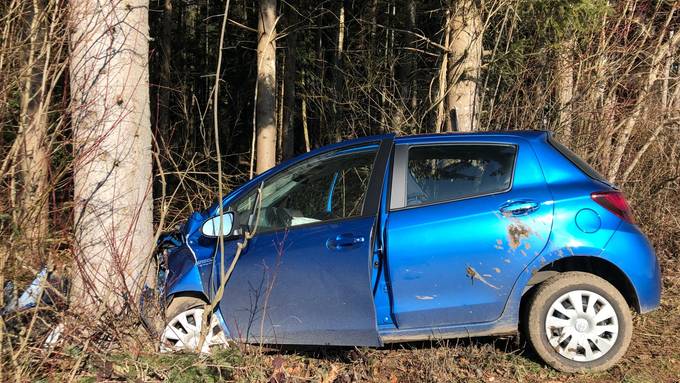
(303, 114)
(442, 86)
(112, 150)
(338, 78)
(289, 89)
(33, 153)
(564, 88)
(166, 64)
(266, 87)
(465, 48)
(411, 61)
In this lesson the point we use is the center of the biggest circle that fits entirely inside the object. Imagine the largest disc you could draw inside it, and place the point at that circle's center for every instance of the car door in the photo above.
(465, 220)
(305, 276)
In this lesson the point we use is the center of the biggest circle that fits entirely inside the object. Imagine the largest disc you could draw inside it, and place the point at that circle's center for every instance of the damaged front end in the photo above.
(183, 268)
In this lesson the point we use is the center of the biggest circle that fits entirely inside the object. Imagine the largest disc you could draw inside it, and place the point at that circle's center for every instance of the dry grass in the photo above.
(115, 355)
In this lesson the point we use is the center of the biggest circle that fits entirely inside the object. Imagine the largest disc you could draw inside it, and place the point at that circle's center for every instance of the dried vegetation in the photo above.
(604, 76)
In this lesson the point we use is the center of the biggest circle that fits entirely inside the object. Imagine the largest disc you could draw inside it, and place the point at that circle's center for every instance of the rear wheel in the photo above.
(579, 322)
(182, 331)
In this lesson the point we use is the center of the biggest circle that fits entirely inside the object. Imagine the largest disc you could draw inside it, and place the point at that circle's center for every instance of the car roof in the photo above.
(483, 136)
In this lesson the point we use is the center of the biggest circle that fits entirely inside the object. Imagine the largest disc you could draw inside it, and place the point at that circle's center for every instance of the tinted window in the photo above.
(329, 186)
(440, 173)
(576, 160)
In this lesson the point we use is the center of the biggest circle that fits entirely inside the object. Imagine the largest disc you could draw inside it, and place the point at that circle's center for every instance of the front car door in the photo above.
(305, 276)
(465, 221)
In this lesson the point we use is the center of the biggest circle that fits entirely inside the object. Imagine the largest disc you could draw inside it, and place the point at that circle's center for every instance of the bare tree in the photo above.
(266, 86)
(289, 88)
(564, 87)
(112, 148)
(167, 28)
(464, 63)
(33, 154)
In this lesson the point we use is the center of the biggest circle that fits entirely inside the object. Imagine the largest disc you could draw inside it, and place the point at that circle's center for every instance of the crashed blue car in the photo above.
(390, 239)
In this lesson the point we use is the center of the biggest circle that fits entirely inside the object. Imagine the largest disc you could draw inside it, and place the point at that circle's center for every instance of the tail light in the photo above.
(615, 202)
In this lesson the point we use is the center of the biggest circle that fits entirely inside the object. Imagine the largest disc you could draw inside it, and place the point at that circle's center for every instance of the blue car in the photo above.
(390, 239)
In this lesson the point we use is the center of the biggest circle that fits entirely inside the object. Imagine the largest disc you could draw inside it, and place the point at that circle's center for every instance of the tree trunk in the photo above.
(640, 106)
(166, 83)
(338, 79)
(465, 49)
(303, 115)
(442, 86)
(266, 87)
(33, 154)
(564, 88)
(289, 89)
(411, 61)
(112, 150)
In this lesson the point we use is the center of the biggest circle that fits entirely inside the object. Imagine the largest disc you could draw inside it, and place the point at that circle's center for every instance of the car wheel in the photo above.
(578, 322)
(182, 331)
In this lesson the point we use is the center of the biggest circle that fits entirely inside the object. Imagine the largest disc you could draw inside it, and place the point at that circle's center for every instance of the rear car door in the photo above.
(305, 276)
(465, 219)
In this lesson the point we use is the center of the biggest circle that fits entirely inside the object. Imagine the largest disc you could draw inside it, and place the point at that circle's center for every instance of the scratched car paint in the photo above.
(387, 239)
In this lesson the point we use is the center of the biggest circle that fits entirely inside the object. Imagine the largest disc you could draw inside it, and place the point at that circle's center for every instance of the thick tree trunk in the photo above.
(564, 88)
(266, 87)
(112, 149)
(465, 49)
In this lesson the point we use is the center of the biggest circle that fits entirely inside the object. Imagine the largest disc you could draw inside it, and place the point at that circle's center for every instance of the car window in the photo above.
(576, 160)
(326, 187)
(441, 173)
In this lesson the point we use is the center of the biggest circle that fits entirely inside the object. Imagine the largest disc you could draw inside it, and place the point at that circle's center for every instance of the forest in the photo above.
(120, 118)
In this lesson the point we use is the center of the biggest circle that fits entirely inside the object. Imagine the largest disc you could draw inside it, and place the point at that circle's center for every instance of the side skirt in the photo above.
(499, 327)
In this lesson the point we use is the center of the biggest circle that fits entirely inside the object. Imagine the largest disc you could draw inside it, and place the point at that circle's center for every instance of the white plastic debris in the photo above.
(54, 335)
(31, 295)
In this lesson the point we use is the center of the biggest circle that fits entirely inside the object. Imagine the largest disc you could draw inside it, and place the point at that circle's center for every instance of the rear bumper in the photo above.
(630, 250)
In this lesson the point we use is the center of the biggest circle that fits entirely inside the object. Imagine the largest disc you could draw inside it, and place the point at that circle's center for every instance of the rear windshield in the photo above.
(576, 160)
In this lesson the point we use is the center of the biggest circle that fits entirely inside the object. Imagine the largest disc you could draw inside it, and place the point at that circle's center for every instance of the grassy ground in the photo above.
(654, 356)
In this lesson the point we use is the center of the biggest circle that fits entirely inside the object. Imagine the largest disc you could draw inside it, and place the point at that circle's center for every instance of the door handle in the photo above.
(517, 208)
(344, 241)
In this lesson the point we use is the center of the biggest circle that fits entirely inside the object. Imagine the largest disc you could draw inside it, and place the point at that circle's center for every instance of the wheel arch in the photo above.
(187, 294)
(588, 264)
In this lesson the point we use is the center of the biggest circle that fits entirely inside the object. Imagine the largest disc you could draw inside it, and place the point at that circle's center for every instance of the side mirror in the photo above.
(211, 227)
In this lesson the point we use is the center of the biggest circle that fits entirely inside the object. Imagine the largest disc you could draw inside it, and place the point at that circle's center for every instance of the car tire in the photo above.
(571, 337)
(183, 325)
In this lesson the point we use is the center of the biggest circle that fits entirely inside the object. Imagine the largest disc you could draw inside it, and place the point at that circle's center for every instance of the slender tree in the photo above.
(266, 86)
(564, 87)
(289, 87)
(465, 49)
(442, 85)
(166, 37)
(33, 153)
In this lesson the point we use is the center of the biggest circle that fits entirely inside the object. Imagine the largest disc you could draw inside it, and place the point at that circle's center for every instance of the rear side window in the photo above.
(576, 160)
(442, 173)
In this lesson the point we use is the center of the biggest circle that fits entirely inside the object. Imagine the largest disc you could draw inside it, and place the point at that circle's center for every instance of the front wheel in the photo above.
(579, 322)
(182, 331)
